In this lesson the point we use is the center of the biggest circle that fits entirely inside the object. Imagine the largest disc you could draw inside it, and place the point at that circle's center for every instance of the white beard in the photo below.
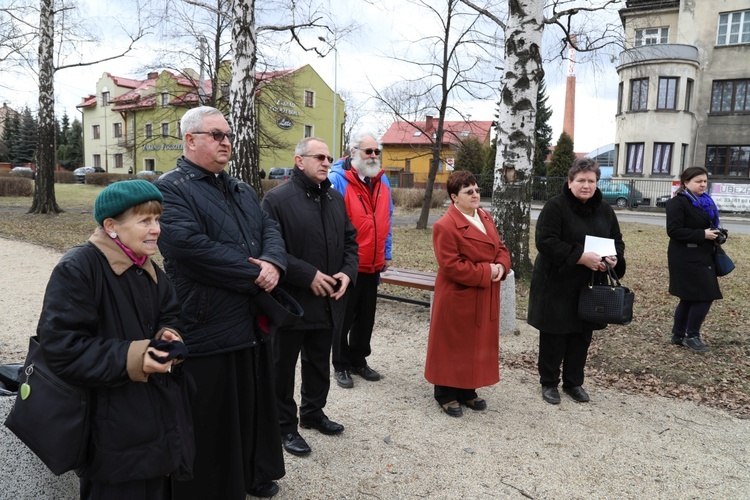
(369, 167)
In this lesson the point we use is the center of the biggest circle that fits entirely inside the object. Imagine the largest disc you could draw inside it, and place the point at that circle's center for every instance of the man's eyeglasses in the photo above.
(218, 136)
(369, 151)
(319, 157)
(470, 191)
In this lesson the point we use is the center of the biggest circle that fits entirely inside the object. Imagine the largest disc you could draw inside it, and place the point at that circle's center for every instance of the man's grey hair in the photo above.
(303, 146)
(357, 140)
(192, 121)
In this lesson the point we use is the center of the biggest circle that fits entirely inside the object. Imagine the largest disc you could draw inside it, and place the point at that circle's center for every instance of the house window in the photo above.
(308, 131)
(689, 95)
(179, 129)
(407, 165)
(149, 131)
(635, 158)
(97, 161)
(619, 98)
(164, 99)
(730, 96)
(149, 164)
(105, 98)
(638, 94)
(734, 28)
(165, 129)
(651, 36)
(730, 161)
(117, 130)
(667, 98)
(309, 99)
(95, 133)
(662, 158)
(118, 160)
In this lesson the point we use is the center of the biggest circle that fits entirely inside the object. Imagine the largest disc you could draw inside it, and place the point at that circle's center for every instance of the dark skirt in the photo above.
(237, 437)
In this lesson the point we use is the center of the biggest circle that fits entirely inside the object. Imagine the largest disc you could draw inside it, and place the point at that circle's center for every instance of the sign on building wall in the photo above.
(731, 197)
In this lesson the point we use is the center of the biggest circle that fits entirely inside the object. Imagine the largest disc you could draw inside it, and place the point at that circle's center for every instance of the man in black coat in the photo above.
(220, 251)
(322, 260)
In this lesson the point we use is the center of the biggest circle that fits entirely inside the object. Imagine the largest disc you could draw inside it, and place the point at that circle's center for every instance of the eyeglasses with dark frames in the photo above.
(218, 136)
(319, 157)
(369, 151)
(470, 191)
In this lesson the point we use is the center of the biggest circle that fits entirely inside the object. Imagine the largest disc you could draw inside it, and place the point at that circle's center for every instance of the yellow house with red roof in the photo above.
(407, 147)
(134, 125)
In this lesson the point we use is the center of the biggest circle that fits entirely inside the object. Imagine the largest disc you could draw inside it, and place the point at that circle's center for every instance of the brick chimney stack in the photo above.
(428, 127)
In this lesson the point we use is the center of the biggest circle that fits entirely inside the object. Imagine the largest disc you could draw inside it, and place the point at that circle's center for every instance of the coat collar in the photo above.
(470, 231)
(118, 261)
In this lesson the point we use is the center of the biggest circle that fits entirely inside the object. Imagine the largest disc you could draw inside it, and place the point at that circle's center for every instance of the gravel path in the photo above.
(398, 444)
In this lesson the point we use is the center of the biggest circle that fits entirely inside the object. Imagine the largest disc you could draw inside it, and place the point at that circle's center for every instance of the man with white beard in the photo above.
(369, 205)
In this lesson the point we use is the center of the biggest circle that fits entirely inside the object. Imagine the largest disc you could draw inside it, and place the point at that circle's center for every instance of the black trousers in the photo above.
(570, 349)
(351, 346)
(157, 488)
(445, 394)
(315, 348)
(237, 440)
(689, 317)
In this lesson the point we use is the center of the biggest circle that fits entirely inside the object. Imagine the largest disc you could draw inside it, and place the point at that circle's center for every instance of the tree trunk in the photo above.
(511, 198)
(44, 183)
(243, 115)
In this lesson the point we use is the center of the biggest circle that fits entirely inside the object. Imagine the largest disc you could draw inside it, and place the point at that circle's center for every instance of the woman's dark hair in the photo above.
(584, 165)
(459, 179)
(688, 174)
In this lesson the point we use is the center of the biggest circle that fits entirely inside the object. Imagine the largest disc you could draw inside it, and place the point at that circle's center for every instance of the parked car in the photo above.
(620, 194)
(80, 173)
(279, 173)
(148, 174)
(22, 172)
(661, 201)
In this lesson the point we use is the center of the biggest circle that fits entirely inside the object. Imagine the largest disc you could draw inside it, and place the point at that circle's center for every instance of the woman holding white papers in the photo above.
(562, 267)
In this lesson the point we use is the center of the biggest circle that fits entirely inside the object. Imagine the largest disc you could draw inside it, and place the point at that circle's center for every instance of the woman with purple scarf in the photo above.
(692, 226)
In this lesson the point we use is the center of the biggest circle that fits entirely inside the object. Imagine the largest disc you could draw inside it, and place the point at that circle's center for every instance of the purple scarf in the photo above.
(705, 203)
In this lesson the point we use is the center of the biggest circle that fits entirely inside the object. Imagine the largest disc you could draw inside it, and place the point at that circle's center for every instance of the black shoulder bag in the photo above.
(608, 302)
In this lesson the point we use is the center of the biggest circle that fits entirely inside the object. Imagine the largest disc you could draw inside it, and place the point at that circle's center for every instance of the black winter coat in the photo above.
(318, 237)
(690, 255)
(210, 227)
(557, 279)
(98, 309)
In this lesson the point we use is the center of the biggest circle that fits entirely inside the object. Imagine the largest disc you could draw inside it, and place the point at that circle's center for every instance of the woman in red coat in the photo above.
(462, 350)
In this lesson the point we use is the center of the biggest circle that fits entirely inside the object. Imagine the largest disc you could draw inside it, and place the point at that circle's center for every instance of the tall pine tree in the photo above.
(543, 131)
(562, 157)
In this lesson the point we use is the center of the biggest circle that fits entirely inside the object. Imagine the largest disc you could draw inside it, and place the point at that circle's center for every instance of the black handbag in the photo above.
(722, 263)
(607, 302)
(50, 416)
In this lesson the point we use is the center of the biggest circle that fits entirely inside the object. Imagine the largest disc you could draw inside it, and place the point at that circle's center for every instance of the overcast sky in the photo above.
(362, 64)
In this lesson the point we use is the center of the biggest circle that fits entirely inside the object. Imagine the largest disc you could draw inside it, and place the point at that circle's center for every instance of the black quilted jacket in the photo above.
(211, 225)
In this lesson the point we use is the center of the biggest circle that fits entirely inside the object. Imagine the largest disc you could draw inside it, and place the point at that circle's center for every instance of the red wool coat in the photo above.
(462, 350)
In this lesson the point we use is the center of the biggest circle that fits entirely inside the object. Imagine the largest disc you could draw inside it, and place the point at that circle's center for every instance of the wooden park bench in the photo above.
(422, 280)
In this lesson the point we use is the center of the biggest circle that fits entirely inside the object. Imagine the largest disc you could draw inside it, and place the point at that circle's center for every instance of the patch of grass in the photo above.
(636, 358)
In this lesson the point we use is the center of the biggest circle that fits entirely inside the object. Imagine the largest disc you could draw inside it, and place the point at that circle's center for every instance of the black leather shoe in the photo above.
(476, 404)
(265, 490)
(695, 344)
(577, 393)
(366, 373)
(550, 394)
(344, 379)
(677, 339)
(323, 425)
(453, 409)
(294, 444)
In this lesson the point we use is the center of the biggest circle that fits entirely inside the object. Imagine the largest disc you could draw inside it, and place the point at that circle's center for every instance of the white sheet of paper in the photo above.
(603, 246)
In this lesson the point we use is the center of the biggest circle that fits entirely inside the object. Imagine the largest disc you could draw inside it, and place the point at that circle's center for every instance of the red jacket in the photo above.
(370, 211)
